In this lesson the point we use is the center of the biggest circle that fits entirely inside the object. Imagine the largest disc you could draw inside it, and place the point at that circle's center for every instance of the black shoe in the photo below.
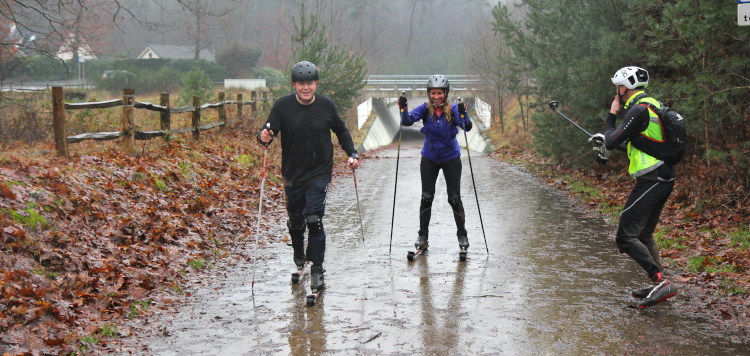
(641, 293)
(316, 277)
(463, 241)
(662, 290)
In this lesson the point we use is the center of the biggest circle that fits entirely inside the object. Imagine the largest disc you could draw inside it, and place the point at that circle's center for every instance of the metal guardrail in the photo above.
(418, 81)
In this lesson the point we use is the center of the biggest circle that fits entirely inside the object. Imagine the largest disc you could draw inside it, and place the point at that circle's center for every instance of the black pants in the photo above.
(635, 233)
(429, 171)
(302, 202)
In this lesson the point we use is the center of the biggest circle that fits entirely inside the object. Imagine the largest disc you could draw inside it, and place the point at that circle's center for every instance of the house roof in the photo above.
(178, 52)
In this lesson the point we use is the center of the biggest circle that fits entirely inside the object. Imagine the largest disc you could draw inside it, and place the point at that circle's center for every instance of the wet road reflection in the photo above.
(553, 283)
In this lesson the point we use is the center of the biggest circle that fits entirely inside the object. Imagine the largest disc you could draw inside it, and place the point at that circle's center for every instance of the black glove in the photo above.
(266, 144)
(468, 125)
(402, 102)
(462, 108)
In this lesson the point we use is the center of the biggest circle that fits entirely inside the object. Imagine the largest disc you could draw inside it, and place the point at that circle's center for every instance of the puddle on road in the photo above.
(553, 283)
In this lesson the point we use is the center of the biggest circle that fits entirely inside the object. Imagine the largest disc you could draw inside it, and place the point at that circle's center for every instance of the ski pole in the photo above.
(260, 207)
(553, 106)
(359, 209)
(473, 183)
(398, 154)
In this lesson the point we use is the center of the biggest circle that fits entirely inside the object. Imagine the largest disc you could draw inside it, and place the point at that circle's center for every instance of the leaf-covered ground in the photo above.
(705, 249)
(93, 243)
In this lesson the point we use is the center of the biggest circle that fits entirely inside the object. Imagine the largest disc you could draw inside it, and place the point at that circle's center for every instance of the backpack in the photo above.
(672, 149)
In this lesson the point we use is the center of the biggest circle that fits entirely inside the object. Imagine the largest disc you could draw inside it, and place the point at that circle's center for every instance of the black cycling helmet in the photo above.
(438, 81)
(304, 71)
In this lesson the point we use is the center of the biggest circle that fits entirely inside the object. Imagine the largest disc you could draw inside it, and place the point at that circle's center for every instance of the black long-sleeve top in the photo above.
(306, 147)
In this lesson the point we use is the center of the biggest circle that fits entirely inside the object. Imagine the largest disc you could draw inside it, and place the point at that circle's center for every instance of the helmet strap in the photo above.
(620, 95)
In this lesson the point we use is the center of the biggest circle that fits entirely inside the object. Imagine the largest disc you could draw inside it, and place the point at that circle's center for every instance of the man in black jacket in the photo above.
(305, 121)
(654, 179)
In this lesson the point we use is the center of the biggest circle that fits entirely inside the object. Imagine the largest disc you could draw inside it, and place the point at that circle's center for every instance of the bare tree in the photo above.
(202, 13)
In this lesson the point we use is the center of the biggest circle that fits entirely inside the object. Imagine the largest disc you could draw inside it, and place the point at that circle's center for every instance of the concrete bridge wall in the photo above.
(385, 127)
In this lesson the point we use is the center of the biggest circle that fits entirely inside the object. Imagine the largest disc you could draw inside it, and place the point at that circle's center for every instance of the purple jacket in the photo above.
(440, 142)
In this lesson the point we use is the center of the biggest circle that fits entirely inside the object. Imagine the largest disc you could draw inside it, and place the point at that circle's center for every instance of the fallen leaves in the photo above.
(122, 230)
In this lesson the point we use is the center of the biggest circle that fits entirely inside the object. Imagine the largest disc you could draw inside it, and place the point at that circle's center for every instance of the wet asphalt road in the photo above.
(552, 284)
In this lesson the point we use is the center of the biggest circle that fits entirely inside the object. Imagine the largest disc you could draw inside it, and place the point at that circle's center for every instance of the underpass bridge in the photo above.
(382, 91)
(385, 86)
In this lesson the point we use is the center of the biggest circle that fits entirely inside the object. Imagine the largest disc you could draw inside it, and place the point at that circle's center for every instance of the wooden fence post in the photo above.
(254, 105)
(164, 117)
(197, 118)
(239, 107)
(58, 122)
(128, 141)
(222, 112)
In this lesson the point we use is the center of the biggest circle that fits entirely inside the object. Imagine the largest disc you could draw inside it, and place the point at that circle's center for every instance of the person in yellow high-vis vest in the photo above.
(654, 179)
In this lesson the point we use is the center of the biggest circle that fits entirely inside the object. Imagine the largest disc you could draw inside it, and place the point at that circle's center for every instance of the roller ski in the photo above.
(297, 275)
(463, 244)
(420, 246)
(316, 284)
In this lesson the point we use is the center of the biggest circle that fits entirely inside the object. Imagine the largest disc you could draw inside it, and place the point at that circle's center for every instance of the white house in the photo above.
(174, 52)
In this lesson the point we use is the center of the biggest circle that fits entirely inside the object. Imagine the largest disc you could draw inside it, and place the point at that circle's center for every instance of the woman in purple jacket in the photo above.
(440, 151)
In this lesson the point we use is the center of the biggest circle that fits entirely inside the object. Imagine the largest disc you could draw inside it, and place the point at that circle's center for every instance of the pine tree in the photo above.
(341, 72)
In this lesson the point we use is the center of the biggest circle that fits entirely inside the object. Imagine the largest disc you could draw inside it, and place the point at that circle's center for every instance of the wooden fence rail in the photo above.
(128, 134)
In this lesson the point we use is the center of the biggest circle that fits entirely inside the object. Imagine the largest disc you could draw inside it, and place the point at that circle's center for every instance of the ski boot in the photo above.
(316, 284)
(421, 245)
(316, 277)
(301, 262)
(463, 243)
(297, 233)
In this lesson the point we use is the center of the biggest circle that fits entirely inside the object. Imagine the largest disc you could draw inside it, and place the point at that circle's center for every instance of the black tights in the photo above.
(429, 171)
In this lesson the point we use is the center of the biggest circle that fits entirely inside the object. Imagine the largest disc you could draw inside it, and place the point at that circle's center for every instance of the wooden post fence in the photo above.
(58, 122)
(239, 107)
(165, 118)
(128, 141)
(197, 118)
(222, 112)
(129, 134)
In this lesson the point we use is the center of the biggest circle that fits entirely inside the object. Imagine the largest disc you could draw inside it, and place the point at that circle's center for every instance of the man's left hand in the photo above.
(354, 161)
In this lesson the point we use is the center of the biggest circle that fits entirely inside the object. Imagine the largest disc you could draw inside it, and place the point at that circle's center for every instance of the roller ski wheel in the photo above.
(462, 255)
(297, 275)
(412, 254)
(312, 298)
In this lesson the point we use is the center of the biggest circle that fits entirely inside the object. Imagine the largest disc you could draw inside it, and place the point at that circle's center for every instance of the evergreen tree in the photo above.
(196, 83)
(698, 59)
(568, 50)
(341, 72)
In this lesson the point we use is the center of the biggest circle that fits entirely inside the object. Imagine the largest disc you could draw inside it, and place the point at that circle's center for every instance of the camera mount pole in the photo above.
(553, 106)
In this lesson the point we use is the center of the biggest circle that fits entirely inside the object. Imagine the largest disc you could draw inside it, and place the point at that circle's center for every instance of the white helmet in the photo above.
(631, 77)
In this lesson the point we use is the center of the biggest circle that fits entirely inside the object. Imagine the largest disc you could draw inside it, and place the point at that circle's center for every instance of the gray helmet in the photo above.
(438, 81)
(304, 71)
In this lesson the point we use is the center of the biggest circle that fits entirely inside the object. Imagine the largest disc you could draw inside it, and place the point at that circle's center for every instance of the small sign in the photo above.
(743, 14)
(81, 60)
